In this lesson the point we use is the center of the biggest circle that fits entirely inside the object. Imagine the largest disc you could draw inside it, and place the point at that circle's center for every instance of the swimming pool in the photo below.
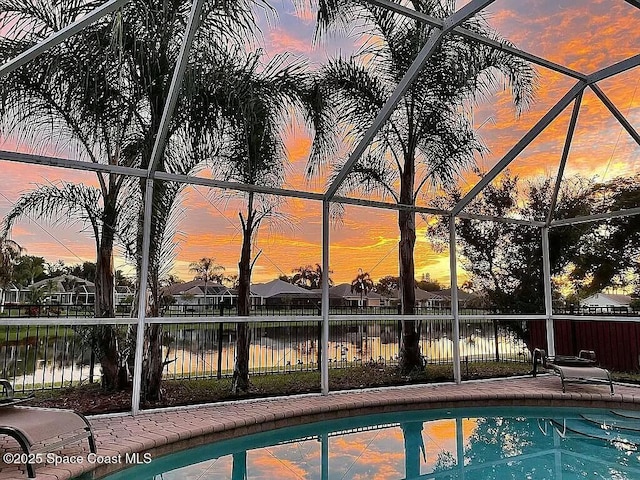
(494, 443)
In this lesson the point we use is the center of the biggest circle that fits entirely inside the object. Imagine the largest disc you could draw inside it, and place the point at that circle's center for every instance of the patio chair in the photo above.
(40, 430)
(570, 369)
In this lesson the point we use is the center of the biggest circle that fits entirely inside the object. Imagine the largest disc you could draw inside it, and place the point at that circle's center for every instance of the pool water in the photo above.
(492, 443)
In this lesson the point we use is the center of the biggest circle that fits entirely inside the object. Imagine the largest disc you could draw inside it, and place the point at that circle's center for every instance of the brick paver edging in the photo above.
(170, 430)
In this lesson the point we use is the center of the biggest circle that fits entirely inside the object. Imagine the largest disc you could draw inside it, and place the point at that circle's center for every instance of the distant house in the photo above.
(195, 293)
(123, 294)
(62, 290)
(606, 302)
(465, 300)
(11, 294)
(342, 296)
(278, 292)
(424, 299)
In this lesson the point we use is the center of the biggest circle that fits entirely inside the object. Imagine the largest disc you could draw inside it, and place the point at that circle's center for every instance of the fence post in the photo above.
(548, 304)
(220, 333)
(319, 345)
(495, 337)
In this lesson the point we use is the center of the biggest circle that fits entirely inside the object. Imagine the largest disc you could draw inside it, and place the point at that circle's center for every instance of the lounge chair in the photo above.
(40, 430)
(580, 369)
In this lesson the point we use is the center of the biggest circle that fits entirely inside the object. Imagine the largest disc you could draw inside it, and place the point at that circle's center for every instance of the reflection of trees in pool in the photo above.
(506, 445)
(413, 448)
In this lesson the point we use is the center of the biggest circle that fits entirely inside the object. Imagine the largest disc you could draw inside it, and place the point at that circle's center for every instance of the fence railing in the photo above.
(54, 355)
(223, 310)
(74, 311)
(50, 353)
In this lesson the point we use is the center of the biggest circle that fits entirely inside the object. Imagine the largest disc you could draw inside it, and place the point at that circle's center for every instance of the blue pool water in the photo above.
(492, 443)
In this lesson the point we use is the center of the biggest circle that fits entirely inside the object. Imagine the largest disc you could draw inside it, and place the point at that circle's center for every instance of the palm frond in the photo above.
(62, 203)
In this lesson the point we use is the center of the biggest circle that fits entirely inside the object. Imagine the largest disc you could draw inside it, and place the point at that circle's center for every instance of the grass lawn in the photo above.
(90, 399)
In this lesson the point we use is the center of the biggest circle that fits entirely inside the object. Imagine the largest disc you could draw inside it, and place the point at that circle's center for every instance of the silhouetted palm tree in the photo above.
(103, 91)
(206, 269)
(255, 101)
(362, 284)
(429, 139)
(309, 277)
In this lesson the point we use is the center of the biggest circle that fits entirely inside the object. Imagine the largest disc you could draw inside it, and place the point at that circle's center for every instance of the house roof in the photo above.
(613, 297)
(279, 287)
(62, 283)
(419, 293)
(462, 295)
(344, 290)
(196, 287)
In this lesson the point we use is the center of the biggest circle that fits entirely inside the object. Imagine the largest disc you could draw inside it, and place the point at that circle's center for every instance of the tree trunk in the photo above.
(152, 370)
(243, 340)
(410, 357)
(107, 335)
(2, 292)
(153, 364)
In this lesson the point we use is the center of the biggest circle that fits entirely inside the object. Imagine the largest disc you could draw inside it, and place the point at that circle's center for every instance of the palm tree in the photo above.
(29, 269)
(10, 251)
(254, 100)
(429, 138)
(362, 284)
(151, 44)
(309, 277)
(70, 95)
(103, 92)
(206, 269)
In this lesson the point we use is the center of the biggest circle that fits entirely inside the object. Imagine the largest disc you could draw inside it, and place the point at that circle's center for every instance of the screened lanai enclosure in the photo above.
(424, 138)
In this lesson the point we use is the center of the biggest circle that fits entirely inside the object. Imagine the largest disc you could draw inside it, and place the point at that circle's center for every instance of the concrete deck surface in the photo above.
(166, 431)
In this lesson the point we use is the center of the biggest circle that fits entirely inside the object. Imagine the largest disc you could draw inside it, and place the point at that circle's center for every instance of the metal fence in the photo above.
(52, 355)
(223, 310)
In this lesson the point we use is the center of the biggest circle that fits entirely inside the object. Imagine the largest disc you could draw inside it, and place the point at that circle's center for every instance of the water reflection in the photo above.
(489, 444)
(209, 350)
(46, 361)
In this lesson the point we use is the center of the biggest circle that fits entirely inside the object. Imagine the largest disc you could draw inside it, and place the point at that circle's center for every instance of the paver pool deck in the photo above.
(161, 432)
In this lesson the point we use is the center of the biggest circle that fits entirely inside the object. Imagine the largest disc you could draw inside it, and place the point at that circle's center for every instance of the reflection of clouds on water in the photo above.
(274, 349)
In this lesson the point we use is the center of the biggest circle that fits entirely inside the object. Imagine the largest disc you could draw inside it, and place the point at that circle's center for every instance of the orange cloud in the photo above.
(585, 35)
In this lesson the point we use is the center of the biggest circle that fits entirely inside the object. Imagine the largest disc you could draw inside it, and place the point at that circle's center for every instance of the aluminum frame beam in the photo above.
(388, 205)
(596, 217)
(60, 36)
(453, 267)
(463, 32)
(206, 182)
(521, 145)
(614, 69)
(385, 113)
(176, 83)
(324, 367)
(407, 80)
(548, 300)
(565, 155)
(616, 113)
(142, 298)
(487, 218)
(212, 183)
(70, 164)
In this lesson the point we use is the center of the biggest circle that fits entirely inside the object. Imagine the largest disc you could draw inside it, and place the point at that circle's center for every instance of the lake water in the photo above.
(195, 352)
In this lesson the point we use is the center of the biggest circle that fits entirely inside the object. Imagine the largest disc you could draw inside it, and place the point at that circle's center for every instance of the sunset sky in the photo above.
(585, 35)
